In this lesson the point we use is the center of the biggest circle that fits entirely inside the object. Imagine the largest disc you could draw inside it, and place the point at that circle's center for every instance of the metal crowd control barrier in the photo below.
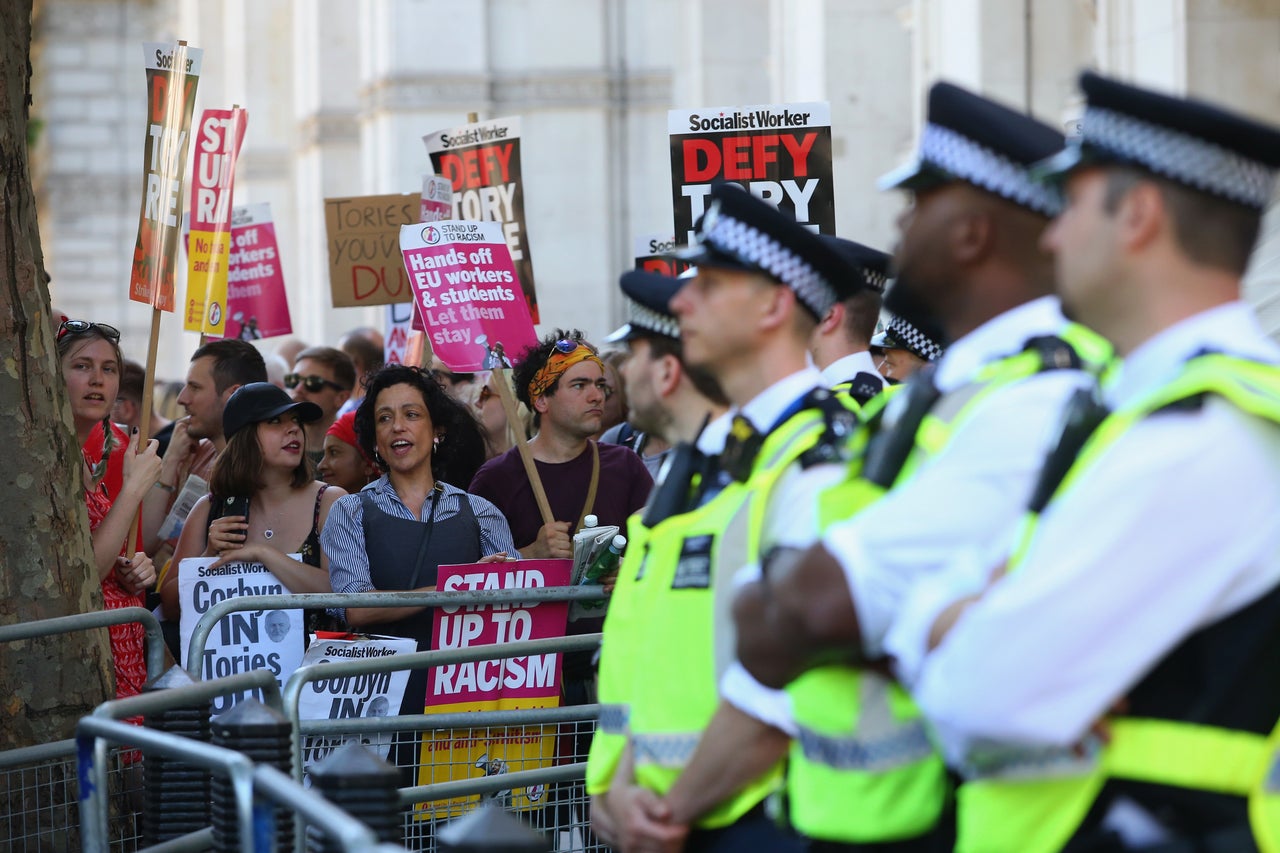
(247, 779)
(97, 619)
(43, 777)
(293, 601)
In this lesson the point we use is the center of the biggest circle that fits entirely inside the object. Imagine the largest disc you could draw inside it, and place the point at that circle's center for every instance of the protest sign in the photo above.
(482, 163)
(257, 303)
(437, 199)
(467, 294)
(780, 152)
(244, 641)
(651, 251)
(490, 685)
(396, 342)
(218, 138)
(365, 267)
(173, 71)
(352, 696)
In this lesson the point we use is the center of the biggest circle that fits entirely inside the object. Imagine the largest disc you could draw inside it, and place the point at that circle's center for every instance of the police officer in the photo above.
(1115, 687)
(957, 450)
(681, 405)
(841, 343)
(902, 349)
(706, 760)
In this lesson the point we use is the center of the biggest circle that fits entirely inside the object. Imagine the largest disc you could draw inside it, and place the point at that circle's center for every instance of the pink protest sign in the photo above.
(467, 292)
(437, 199)
(525, 682)
(257, 305)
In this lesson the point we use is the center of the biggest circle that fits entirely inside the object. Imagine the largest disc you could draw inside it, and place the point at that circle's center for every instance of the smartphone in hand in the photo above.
(236, 506)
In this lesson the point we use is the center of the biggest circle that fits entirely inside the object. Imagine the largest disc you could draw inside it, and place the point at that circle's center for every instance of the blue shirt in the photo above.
(343, 536)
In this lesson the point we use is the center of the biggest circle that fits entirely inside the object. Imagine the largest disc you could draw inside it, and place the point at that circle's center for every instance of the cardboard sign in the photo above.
(482, 163)
(396, 341)
(243, 641)
(365, 267)
(173, 72)
(467, 293)
(218, 138)
(352, 696)
(516, 683)
(651, 252)
(780, 152)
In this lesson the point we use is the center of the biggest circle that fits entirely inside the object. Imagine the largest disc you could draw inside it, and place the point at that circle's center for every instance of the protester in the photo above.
(289, 347)
(324, 376)
(841, 343)
(562, 381)
(216, 371)
(263, 462)
(394, 534)
(615, 394)
(127, 410)
(499, 433)
(1136, 707)
(90, 359)
(344, 464)
(364, 347)
(277, 369)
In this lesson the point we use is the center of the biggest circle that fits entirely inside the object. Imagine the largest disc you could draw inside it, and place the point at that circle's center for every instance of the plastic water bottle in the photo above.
(606, 562)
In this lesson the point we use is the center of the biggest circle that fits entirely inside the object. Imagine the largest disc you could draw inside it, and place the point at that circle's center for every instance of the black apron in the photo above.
(392, 545)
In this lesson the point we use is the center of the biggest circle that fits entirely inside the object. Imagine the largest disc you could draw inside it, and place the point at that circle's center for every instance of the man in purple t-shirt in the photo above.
(562, 381)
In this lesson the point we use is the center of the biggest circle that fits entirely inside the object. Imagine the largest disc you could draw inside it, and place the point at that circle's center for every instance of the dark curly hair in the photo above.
(461, 451)
(534, 358)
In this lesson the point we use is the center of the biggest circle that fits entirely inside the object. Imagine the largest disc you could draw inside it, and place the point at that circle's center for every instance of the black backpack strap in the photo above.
(838, 425)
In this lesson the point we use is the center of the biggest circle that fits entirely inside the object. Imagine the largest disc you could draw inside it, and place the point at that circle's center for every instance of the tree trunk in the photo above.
(46, 566)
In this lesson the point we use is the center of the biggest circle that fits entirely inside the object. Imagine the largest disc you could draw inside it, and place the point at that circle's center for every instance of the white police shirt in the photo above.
(791, 520)
(978, 485)
(1173, 528)
(846, 367)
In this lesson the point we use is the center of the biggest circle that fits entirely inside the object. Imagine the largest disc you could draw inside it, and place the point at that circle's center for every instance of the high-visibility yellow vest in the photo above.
(674, 651)
(613, 677)
(1034, 802)
(862, 769)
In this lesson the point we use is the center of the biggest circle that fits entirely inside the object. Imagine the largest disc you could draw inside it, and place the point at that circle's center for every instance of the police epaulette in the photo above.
(839, 423)
(1055, 353)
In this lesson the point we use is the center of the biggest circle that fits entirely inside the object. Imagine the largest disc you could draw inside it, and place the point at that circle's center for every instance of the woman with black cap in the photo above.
(264, 502)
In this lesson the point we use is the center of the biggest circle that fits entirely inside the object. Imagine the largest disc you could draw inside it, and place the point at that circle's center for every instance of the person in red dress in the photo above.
(116, 478)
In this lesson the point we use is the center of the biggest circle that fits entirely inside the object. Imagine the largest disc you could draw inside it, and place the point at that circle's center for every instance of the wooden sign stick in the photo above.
(526, 455)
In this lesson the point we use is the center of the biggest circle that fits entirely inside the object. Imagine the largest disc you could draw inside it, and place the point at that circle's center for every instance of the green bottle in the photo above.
(607, 561)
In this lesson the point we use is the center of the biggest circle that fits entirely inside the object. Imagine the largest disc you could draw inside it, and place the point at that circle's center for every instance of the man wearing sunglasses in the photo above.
(324, 376)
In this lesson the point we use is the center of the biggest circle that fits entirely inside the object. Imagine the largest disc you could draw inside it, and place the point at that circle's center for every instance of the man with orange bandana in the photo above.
(562, 382)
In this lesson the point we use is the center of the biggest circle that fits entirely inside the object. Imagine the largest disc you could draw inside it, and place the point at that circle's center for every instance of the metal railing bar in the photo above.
(97, 619)
(489, 784)
(461, 598)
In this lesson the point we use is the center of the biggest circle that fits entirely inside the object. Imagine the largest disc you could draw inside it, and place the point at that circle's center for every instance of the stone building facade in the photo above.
(339, 93)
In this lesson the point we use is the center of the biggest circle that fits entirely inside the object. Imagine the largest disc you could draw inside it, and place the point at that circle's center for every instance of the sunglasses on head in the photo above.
(312, 383)
(566, 346)
(79, 327)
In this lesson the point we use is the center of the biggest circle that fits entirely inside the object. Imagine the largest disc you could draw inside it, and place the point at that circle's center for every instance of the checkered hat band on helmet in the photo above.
(913, 339)
(738, 239)
(1196, 162)
(959, 155)
(652, 321)
(877, 281)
